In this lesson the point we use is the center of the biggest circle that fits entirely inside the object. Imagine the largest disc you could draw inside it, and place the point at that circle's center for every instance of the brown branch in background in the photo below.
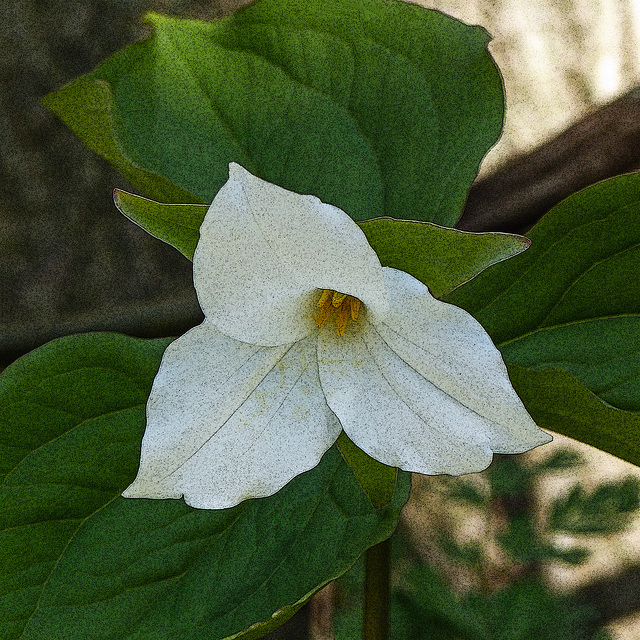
(604, 144)
(321, 608)
(172, 316)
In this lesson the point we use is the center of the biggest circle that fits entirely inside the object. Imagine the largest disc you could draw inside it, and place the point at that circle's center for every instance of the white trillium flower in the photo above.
(305, 334)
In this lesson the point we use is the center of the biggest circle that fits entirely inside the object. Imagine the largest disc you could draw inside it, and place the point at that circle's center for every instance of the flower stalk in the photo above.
(377, 592)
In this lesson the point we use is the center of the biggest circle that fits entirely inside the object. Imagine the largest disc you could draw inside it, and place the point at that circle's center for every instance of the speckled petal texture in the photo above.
(227, 420)
(265, 252)
(424, 388)
(257, 393)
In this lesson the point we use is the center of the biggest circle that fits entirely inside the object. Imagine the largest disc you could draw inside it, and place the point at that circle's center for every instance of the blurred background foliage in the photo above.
(560, 59)
(474, 569)
(68, 260)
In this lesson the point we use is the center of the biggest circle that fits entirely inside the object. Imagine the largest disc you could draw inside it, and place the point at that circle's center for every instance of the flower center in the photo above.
(346, 306)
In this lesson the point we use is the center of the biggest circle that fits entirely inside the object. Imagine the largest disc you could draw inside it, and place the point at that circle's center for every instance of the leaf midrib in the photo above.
(561, 325)
(552, 247)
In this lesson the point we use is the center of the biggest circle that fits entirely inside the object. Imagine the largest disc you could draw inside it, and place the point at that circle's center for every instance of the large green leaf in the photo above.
(95, 124)
(380, 107)
(440, 257)
(81, 563)
(559, 402)
(572, 301)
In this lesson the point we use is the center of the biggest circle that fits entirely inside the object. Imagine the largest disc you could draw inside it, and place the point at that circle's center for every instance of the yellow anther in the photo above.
(342, 317)
(326, 294)
(338, 298)
(326, 309)
(355, 307)
(347, 306)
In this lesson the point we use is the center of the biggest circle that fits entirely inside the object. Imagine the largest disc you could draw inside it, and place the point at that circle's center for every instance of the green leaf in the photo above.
(509, 478)
(572, 301)
(176, 224)
(379, 107)
(79, 562)
(467, 492)
(527, 609)
(607, 509)
(95, 124)
(441, 258)
(521, 610)
(470, 554)
(561, 460)
(559, 402)
(427, 607)
(522, 542)
(574, 557)
(377, 480)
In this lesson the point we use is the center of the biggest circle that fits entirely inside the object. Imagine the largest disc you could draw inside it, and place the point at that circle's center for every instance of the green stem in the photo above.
(377, 592)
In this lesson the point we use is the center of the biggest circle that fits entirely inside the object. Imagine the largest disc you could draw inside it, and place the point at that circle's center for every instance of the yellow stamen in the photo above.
(347, 306)
(343, 316)
(338, 298)
(355, 307)
(326, 294)
(326, 310)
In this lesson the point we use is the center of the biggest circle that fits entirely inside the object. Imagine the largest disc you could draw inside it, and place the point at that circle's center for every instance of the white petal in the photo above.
(393, 413)
(404, 391)
(452, 350)
(263, 254)
(227, 420)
